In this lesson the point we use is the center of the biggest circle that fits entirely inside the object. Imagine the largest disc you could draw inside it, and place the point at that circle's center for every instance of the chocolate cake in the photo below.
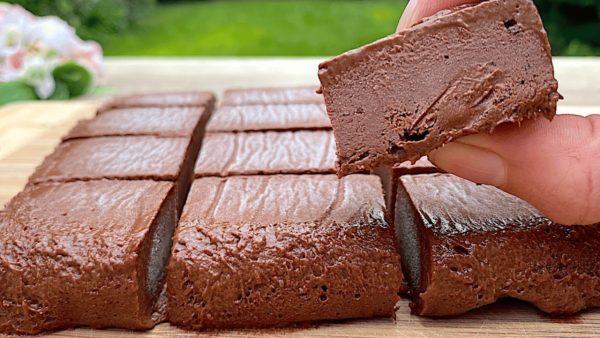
(181, 99)
(85, 253)
(267, 96)
(126, 158)
(269, 117)
(459, 72)
(299, 152)
(269, 251)
(390, 176)
(465, 245)
(164, 122)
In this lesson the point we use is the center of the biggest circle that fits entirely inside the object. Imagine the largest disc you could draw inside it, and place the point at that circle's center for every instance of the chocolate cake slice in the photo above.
(266, 96)
(269, 251)
(269, 117)
(300, 152)
(164, 122)
(465, 245)
(126, 158)
(180, 99)
(459, 72)
(390, 176)
(85, 253)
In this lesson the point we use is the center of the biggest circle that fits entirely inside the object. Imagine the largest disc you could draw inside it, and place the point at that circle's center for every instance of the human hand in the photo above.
(555, 166)
(419, 9)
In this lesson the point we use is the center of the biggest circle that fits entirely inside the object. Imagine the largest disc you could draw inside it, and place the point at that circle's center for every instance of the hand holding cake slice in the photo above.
(456, 73)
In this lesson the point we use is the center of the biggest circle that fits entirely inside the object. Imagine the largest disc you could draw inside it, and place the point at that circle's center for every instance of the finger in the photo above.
(419, 9)
(553, 166)
(405, 20)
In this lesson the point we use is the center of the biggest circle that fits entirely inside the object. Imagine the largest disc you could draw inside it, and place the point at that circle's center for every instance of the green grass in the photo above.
(259, 28)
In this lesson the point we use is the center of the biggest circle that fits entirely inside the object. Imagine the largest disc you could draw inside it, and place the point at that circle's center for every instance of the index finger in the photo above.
(419, 9)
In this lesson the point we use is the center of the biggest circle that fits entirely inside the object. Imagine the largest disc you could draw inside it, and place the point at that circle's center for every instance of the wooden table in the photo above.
(30, 131)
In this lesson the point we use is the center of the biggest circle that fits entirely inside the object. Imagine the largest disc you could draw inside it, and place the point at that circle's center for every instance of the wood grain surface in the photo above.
(30, 131)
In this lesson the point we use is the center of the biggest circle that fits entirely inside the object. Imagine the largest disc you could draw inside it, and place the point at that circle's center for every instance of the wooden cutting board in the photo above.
(30, 131)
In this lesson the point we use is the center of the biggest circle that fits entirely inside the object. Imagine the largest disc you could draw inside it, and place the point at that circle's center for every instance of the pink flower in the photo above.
(12, 65)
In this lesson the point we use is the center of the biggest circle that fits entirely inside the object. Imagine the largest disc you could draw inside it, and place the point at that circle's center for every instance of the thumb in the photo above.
(419, 9)
(555, 166)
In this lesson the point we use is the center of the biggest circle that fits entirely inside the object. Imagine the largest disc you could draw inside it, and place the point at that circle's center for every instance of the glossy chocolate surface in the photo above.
(299, 152)
(131, 157)
(466, 245)
(164, 122)
(176, 99)
(461, 72)
(79, 253)
(269, 117)
(269, 251)
(265, 96)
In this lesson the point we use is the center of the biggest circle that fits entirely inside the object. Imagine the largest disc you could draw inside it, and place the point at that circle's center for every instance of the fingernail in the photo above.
(407, 15)
(469, 162)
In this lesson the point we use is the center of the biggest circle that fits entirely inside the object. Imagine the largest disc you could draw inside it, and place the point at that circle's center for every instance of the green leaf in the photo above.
(16, 91)
(75, 76)
(103, 90)
(61, 92)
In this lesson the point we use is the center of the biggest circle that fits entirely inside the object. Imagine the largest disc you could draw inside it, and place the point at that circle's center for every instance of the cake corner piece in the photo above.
(465, 245)
(88, 253)
(460, 72)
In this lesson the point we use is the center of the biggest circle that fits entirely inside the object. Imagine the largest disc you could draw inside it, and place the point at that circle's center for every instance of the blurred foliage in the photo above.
(98, 20)
(260, 28)
(16, 91)
(263, 27)
(71, 80)
(573, 26)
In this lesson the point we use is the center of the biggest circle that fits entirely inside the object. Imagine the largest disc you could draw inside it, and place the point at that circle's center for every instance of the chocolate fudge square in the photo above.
(85, 253)
(457, 73)
(269, 251)
(266, 96)
(276, 117)
(465, 245)
(164, 122)
(125, 158)
(176, 99)
(298, 152)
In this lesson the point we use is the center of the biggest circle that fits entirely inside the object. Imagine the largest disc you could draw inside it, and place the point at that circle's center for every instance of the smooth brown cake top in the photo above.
(165, 122)
(298, 152)
(130, 157)
(269, 117)
(462, 72)
(468, 206)
(96, 222)
(265, 96)
(285, 199)
(175, 99)
(269, 251)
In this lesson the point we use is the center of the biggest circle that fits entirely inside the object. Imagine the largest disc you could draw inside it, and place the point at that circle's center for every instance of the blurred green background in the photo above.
(276, 28)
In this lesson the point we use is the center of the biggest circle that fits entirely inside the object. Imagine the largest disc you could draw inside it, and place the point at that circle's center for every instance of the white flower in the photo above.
(31, 48)
(16, 18)
(4, 8)
(89, 54)
(54, 33)
(38, 72)
(10, 40)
